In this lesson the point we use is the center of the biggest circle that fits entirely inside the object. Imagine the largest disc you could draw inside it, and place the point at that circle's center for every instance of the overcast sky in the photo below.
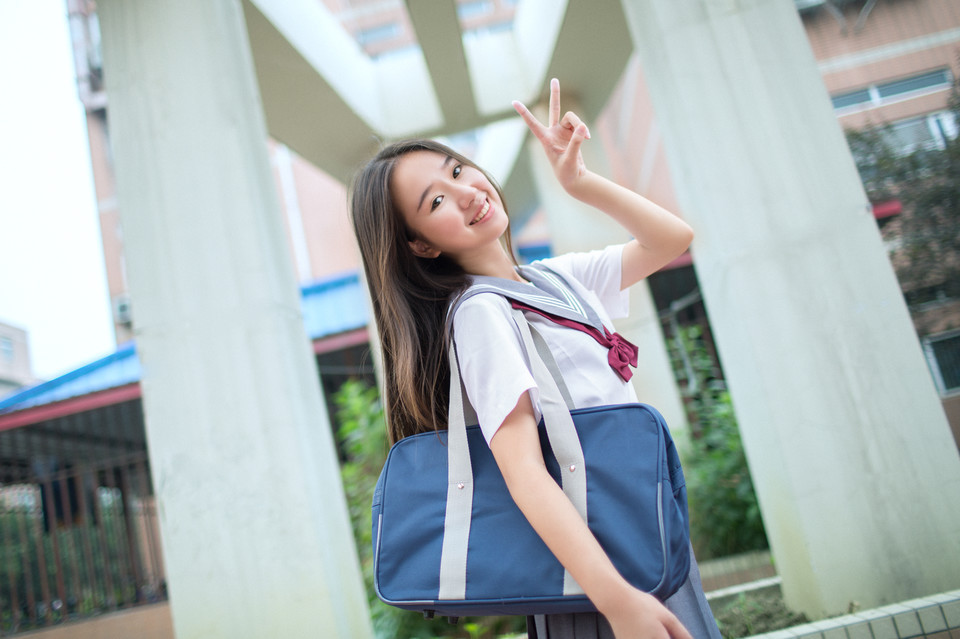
(52, 278)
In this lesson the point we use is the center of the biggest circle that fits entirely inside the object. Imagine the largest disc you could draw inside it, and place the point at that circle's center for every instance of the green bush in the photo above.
(724, 514)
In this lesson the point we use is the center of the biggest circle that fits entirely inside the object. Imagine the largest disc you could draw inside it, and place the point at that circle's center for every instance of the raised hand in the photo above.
(561, 138)
(658, 235)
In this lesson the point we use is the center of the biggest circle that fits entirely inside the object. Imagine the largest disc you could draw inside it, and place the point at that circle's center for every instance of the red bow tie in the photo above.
(621, 354)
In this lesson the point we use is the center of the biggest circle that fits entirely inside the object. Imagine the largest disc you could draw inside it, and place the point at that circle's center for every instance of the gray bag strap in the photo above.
(564, 441)
(544, 351)
(456, 522)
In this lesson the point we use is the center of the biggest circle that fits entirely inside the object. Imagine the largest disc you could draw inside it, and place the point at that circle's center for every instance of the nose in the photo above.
(470, 197)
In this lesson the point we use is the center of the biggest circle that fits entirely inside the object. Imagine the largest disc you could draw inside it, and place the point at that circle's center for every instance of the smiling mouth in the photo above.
(482, 214)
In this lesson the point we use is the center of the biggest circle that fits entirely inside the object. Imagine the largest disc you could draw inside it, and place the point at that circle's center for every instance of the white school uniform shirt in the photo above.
(493, 364)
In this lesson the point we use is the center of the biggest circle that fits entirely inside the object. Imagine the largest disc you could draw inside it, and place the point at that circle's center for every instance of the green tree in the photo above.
(924, 240)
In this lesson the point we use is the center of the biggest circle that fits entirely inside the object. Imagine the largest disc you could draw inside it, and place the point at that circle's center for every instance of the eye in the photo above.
(436, 202)
(456, 171)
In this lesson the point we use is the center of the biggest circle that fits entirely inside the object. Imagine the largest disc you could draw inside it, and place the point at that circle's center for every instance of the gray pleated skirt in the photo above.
(689, 605)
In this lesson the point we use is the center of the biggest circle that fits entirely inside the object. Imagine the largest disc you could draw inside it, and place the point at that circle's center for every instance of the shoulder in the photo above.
(587, 267)
(486, 303)
(483, 314)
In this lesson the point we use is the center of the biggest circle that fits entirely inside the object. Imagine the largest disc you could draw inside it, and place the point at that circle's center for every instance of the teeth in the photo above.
(482, 214)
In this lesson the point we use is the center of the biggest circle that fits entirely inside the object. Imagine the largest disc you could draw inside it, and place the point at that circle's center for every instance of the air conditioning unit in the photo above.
(121, 310)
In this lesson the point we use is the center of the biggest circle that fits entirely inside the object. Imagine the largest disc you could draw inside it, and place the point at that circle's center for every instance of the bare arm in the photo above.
(659, 236)
(631, 613)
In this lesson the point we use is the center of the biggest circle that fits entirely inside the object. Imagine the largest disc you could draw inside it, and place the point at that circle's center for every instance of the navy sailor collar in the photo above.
(544, 289)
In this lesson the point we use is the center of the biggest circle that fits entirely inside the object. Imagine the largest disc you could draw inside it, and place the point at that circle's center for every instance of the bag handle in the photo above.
(544, 351)
(561, 432)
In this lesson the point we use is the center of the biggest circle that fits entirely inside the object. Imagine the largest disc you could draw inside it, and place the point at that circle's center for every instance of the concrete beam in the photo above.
(592, 50)
(438, 32)
(302, 106)
(323, 96)
(328, 101)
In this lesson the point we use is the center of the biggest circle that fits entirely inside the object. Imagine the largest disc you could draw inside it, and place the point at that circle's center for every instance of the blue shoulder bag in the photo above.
(448, 538)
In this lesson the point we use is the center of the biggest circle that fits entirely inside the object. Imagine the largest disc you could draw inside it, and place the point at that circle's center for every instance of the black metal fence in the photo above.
(78, 541)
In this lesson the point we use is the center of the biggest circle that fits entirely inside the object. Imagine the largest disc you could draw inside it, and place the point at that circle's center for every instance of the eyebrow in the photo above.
(446, 160)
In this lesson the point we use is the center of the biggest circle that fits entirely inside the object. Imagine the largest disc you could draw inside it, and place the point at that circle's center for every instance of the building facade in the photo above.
(893, 66)
(15, 369)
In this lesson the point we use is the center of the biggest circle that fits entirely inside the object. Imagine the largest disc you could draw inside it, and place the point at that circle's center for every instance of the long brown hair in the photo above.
(410, 295)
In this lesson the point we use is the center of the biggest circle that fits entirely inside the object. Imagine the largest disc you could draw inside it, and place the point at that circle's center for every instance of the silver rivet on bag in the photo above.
(460, 485)
(573, 467)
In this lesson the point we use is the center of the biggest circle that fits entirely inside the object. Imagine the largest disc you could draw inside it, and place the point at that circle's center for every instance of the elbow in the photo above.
(682, 238)
(687, 236)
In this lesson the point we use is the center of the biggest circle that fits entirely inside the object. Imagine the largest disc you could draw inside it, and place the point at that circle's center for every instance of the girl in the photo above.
(426, 219)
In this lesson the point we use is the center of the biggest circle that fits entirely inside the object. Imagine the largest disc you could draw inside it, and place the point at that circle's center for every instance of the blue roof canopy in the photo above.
(329, 307)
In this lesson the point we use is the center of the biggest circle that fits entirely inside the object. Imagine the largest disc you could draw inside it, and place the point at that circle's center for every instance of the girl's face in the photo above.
(450, 208)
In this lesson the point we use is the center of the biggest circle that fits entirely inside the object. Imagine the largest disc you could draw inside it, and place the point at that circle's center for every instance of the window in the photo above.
(895, 90)
(933, 80)
(943, 357)
(925, 132)
(379, 33)
(474, 9)
(6, 349)
(850, 99)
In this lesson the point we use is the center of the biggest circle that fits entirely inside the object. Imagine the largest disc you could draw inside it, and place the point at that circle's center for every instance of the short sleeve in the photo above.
(600, 273)
(492, 362)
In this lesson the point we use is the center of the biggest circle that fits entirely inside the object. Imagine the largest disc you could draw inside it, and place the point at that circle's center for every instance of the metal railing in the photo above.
(76, 542)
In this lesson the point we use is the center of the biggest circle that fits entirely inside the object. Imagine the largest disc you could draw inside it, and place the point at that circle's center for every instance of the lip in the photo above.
(483, 213)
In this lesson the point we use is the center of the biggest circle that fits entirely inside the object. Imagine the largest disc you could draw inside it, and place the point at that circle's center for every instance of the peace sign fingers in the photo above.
(568, 123)
(561, 138)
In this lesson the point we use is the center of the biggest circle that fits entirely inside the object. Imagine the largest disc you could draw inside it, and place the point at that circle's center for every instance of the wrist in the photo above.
(613, 596)
(580, 187)
(628, 605)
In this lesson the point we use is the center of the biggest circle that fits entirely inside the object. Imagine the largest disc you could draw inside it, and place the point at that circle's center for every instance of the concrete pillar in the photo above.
(578, 227)
(856, 471)
(253, 520)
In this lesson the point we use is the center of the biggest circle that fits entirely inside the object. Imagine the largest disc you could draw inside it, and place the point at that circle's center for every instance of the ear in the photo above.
(422, 249)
